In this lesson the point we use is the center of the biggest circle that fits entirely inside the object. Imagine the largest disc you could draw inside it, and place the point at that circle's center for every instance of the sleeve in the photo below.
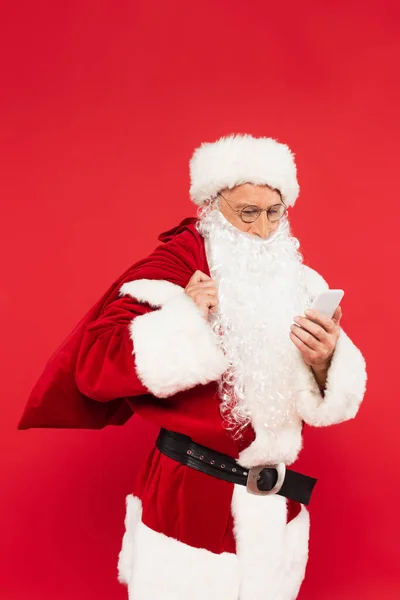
(105, 367)
(346, 379)
(153, 339)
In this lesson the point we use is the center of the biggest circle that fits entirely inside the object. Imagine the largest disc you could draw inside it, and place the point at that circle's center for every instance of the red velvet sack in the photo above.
(55, 401)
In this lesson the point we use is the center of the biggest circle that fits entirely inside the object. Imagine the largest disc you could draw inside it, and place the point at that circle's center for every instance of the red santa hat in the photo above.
(238, 159)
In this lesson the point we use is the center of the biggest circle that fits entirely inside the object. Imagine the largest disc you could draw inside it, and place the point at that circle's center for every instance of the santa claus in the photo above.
(210, 338)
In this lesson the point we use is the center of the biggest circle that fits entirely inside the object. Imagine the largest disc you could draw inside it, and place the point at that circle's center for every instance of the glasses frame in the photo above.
(261, 210)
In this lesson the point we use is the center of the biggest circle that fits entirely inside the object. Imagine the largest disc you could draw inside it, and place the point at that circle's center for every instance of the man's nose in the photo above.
(261, 226)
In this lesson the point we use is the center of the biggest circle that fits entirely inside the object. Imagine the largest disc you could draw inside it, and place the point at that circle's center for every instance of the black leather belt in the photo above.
(263, 480)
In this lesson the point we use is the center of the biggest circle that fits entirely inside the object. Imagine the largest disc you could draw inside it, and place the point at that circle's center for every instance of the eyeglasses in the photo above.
(250, 213)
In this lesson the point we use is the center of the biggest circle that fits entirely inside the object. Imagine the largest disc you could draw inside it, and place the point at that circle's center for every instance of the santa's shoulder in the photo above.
(314, 281)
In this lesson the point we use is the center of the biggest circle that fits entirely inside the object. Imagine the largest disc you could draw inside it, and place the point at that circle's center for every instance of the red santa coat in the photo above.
(146, 348)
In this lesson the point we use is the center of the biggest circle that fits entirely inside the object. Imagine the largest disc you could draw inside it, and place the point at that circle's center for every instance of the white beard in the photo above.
(260, 290)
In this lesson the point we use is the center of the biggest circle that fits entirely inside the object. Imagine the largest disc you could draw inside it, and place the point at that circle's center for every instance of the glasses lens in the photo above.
(276, 212)
(250, 214)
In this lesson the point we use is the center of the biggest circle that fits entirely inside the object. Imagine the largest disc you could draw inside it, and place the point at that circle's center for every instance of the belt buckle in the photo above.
(254, 476)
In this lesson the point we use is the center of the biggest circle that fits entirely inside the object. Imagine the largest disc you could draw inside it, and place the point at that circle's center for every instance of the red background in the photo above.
(102, 104)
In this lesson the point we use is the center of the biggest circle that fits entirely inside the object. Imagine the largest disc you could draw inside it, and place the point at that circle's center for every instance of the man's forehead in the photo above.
(244, 193)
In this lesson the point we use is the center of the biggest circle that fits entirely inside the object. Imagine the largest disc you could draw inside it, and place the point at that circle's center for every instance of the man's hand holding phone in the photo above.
(316, 334)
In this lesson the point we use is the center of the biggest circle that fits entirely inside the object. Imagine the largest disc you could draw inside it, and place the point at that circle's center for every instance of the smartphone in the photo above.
(327, 302)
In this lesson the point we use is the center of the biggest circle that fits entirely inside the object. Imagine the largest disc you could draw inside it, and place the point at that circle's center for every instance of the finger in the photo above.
(307, 338)
(321, 319)
(199, 276)
(203, 285)
(337, 315)
(313, 328)
(195, 290)
(206, 300)
(306, 351)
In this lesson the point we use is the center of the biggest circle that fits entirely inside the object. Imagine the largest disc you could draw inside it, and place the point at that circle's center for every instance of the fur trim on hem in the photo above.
(272, 555)
(157, 567)
(133, 516)
(270, 563)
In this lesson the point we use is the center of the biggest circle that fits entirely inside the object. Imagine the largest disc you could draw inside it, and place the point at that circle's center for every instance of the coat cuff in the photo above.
(344, 390)
(175, 348)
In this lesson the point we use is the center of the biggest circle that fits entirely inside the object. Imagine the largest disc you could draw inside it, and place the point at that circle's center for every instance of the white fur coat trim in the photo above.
(269, 565)
(175, 348)
(272, 554)
(157, 567)
(133, 516)
(238, 159)
(155, 292)
(344, 390)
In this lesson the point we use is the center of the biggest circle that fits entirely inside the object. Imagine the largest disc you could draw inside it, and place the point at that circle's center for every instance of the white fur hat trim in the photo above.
(238, 159)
